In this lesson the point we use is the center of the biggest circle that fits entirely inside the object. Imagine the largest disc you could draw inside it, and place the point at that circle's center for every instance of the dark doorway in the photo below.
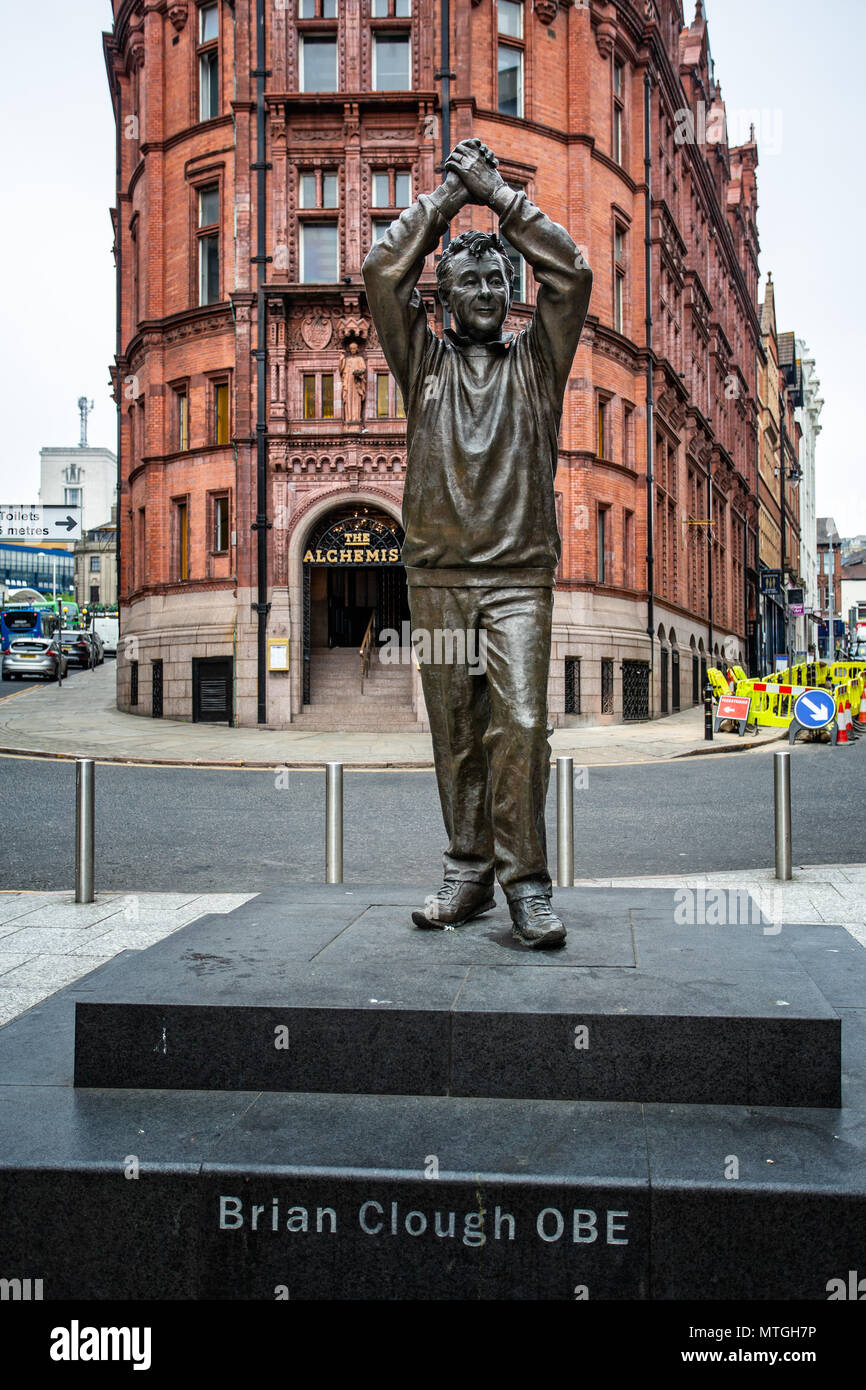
(664, 680)
(352, 577)
(675, 680)
(212, 690)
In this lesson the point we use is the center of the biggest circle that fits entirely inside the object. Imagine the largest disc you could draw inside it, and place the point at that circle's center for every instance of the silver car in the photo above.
(29, 657)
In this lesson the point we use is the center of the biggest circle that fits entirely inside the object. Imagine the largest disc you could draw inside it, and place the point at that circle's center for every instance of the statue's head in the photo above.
(475, 279)
(353, 347)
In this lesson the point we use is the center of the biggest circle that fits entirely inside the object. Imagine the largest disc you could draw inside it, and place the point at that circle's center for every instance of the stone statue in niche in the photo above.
(353, 377)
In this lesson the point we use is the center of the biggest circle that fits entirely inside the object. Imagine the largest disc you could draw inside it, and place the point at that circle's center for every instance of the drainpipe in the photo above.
(650, 390)
(783, 536)
(118, 333)
(261, 525)
(710, 611)
(446, 76)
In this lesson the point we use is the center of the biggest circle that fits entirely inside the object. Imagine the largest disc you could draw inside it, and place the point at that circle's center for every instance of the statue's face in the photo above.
(479, 296)
(353, 348)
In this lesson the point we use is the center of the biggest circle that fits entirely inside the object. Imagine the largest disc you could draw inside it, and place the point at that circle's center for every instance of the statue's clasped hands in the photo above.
(476, 167)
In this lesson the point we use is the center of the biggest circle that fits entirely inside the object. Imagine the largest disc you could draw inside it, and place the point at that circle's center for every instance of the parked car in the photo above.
(28, 657)
(79, 649)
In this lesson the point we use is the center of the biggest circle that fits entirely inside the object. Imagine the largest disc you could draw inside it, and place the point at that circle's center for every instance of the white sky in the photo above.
(785, 59)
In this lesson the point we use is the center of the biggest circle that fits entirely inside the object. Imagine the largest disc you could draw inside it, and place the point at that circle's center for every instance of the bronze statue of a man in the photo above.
(482, 543)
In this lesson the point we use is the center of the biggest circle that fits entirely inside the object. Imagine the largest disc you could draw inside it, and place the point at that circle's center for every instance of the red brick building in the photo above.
(345, 128)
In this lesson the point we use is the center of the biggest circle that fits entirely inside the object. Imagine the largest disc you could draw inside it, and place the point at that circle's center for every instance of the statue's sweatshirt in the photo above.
(482, 419)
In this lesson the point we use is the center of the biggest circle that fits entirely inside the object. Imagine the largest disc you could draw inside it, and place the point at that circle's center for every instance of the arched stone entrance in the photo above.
(353, 584)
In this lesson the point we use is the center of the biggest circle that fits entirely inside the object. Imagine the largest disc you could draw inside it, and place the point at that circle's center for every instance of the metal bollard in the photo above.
(333, 822)
(708, 713)
(565, 822)
(782, 799)
(84, 823)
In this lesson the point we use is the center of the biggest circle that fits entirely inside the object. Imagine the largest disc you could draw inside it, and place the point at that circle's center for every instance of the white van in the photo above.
(109, 630)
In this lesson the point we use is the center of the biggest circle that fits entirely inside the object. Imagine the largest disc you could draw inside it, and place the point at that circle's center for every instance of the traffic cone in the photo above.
(861, 713)
(841, 726)
(852, 732)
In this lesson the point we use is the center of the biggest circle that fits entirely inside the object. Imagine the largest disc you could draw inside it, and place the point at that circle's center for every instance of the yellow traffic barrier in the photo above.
(717, 682)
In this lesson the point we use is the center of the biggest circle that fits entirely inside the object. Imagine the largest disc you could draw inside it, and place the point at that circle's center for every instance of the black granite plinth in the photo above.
(259, 1195)
(335, 991)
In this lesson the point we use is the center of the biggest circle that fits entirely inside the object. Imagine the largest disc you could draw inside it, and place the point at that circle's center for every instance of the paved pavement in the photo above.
(81, 720)
(47, 940)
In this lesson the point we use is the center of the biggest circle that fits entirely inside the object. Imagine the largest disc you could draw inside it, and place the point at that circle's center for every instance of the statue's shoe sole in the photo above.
(426, 924)
(550, 941)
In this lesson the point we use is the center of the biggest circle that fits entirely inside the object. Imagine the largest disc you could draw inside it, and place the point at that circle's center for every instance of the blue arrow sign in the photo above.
(814, 709)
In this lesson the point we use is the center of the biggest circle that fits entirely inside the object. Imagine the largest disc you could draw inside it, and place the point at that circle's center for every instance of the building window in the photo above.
(607, 685)
(382, 385)
(221, 413)
(220, 524)
(618, 91)
(181, 419)
(317, 63)
(316, 9)
(510, 18)
(95, 564)
(181, 539)
(208, 245)
(381, 190)
(391, 188)
(208, 62)
(72, 497)
(319, 262)
(572, 685)
(510, 97)
(510, 58)
(628, 548)
(326, 396)
(141, 549)
(619, 278)
(390, 9)
(628, 435)
(518, 288)
(319, 190)
(603, 527)
(380, 227)
(601, 429)
(391, 58)
(399, 405)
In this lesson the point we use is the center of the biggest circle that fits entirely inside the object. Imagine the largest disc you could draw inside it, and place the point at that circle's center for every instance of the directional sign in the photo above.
(736, 708)
(20, 522)
(815, 709)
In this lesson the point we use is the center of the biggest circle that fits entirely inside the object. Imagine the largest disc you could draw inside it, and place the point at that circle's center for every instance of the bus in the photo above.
(68, 609)
(27, 620)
